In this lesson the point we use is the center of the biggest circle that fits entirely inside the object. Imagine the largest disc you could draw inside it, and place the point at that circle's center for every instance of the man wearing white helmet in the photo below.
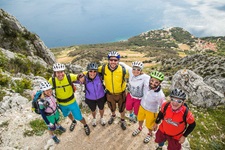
(65, 96)
(113, 75)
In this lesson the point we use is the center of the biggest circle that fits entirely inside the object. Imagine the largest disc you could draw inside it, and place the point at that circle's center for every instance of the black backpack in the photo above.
(35, 102)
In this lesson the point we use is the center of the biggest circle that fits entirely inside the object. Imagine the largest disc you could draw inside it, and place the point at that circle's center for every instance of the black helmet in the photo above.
(177, 93)
(92, 66)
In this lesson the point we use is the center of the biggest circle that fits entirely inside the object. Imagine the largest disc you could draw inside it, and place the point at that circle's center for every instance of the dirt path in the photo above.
(108, 137)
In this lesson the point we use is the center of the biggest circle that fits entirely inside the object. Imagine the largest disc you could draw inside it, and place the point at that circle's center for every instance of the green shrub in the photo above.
(38, 127)
(20, 85)
(4, 80)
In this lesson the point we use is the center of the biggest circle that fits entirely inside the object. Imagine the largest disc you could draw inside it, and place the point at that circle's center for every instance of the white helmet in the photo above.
(45, 86)
(114, 54)
(59, 67)
(138, 64)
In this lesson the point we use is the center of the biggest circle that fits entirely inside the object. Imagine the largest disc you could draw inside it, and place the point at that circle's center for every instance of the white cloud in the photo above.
(203, 18)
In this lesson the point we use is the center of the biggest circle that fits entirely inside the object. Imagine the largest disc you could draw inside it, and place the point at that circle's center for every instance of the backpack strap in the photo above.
(103, 71)
(165, 108)
(124, 73)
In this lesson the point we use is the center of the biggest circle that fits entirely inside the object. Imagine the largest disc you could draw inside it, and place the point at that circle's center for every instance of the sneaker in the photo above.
(147, 138)
(134, 119)
(72, 126)
(159, 148)
(111, 120)
(102, 122)
(94, 122)
(61, 129)
(55, 139)
(136, 132)
(87, 130)
(123, 125)
(131, 117)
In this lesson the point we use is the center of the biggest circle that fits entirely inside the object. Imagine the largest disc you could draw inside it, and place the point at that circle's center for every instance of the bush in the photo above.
(20, 85)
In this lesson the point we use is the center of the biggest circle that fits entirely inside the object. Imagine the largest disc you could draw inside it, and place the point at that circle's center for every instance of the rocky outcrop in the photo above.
(16, 38)
(199, 93)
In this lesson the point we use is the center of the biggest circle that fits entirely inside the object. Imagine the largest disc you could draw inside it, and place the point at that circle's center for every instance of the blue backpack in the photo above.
(35, 102)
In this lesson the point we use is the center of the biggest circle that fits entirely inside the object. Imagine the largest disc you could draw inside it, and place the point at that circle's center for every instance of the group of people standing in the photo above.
(130, 88)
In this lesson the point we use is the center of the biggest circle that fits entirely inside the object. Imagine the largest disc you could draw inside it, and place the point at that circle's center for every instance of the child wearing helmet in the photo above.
(152, 99)
(94, 92)
(173, 127)
(49, 110)
(136, 83)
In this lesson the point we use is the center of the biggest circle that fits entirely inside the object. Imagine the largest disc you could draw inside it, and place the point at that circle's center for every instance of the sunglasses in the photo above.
(136, 69)
(93, 71)
(177, 100)
(115, 60)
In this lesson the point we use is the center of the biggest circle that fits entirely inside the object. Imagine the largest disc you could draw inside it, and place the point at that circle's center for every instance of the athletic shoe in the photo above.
(147, 138)
(111, 120)
(61, 129)
(131, 117)
(94, 122)
(87, 130)
(102, 122)
(136, 132)
(55, 139)
(123, 125)
(159, 148)
(72, 126)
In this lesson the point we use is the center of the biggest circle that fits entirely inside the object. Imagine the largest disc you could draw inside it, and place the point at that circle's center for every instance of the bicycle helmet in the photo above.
(114, 54)
(45, 86)
(158, 75)
(92, 66)
(59, 67)
(177, 93)
(138, 64)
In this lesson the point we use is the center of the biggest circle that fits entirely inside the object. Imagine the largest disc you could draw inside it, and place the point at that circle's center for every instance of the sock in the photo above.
(122, 119)
(74, 121)
(85, 125)
(113, 116)
(131, 115)
(140, 128)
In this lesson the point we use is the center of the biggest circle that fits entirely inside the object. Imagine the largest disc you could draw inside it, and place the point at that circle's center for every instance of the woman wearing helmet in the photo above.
(173, 127)
(64, 92)
(152, 99)
(94, 92)
(49, 110)
(136, 84)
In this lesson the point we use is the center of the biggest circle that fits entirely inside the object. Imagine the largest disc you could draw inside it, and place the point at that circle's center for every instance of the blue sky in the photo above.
(64, 23)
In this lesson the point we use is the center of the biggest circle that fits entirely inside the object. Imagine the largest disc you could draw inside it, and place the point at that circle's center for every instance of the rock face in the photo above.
(199, 93)
(16, 38)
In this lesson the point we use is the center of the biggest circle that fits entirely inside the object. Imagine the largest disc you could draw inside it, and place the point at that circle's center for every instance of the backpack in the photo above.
(69, 80)
(123, 68)
(184, 116)
(35, 102)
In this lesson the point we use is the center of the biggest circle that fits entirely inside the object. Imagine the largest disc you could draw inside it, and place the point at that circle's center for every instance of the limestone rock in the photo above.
(199, 93)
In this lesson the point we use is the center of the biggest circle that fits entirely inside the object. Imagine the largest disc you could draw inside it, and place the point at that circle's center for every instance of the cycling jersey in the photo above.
(114, 82)
(173, 124)
(64, 90)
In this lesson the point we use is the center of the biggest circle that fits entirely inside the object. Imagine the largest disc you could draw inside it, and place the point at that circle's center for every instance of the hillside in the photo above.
(25, 61)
